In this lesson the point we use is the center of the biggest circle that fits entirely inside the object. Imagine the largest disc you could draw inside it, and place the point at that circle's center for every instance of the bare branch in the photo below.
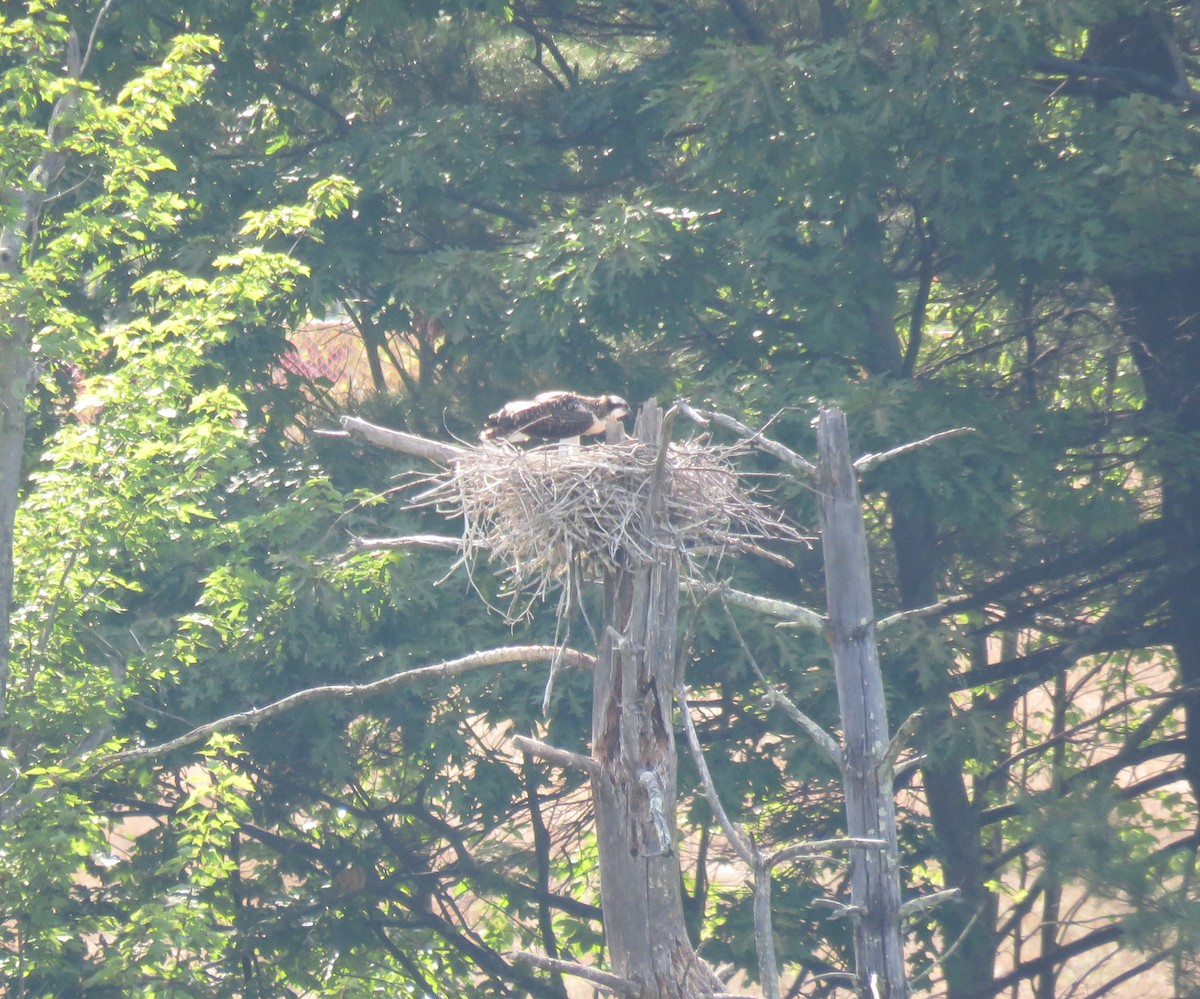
(764, 934)
(405, 443)
(887, 765)
(604, 979)
(793, 615)
(840, 910)
(558, 757)
(438, 541)
(349, 692)
(869, 461)
(742, 844)
(815, 732)
(820, 847)
(915, 906)
(776, 696)
(776, 450)
(747, 849)
(929, 610)
(81, 64)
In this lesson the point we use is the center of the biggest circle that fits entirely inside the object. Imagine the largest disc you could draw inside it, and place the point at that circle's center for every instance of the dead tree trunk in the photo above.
(634, 785)
(867, 775)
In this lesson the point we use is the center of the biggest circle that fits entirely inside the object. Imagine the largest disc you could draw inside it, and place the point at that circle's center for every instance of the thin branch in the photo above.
(887, 766)
(78, 71)
(776, 450)
(793, 615)
(437, 541)
(776, 696)
(840, 910)
(1151, 83)
(747, 849)
(1129, 973)
(405, 443)
(915, 906)
(869, 461)
(742, 844)
(820, 847)
(348, 692)
(1113, 933)
(929, 610)
(815, 732)
(604, 979)
(558, 757)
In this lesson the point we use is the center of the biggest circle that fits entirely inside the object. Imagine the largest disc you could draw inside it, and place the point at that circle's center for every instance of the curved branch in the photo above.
(776, 450)
(348, 692)
(398, 440)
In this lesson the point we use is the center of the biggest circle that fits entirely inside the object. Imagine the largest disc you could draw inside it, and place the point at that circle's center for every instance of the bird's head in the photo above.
(613, 407)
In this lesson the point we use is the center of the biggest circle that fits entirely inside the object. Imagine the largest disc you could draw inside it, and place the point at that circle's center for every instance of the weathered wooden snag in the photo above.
(867, 776)
(634, 509)
(634, 786)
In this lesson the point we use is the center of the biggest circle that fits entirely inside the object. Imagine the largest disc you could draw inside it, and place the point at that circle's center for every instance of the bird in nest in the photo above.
(554, 416)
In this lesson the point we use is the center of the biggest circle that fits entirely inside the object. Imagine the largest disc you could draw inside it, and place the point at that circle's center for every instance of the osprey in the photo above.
(554, 416)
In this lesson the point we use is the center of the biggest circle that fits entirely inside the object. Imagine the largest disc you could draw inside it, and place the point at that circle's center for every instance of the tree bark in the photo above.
(634, 787)
(968, 969)
(870, 808)
(16, 366)
(16, 345)
(1161, 315)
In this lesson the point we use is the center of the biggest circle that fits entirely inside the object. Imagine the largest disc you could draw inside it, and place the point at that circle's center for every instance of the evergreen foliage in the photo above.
(933, 214)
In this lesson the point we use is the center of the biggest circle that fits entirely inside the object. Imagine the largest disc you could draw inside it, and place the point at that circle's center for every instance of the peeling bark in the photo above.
(634, 789)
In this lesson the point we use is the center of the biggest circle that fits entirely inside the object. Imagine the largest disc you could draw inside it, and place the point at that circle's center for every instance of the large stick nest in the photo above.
(541, 512)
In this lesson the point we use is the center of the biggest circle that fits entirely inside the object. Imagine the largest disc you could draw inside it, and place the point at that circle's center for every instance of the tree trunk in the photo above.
(16, 363)
(870, 808)
(16, 344)
(968, 969)
(968, 922)
(1161, 316)
(633, 743)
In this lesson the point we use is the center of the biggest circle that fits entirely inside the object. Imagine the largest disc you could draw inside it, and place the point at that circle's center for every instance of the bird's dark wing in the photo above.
(560, 418)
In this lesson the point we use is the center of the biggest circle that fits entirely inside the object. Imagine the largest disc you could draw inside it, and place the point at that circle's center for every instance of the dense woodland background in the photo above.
(931, 213)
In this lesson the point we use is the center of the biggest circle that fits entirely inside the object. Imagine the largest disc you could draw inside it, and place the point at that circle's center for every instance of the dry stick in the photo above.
(755, 437)
(887, 765)
(775, 696)
(604, 979)
(929, 610)
(439, 541)
(558, 757)
(748, 851)
(817, 848)
(792, 614)
(923, 903)
(349, 691)
(869, 461)
(742, 845)
(398, 440)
